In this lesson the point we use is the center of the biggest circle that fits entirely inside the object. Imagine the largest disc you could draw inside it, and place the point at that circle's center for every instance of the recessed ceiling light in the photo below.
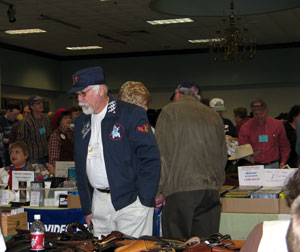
(171, 21)
(206, 40)
(24, 31)
(83, 47)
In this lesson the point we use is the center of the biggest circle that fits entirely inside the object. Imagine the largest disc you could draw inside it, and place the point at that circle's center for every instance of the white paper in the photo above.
(35, 198)
(231, 146)
(47, 188)
(278, 177)
(251, 175)
(4, 176)
(4, 197)
(47, 184)
(50, 202)
(17, 176)
(61, 168)
(258, 176)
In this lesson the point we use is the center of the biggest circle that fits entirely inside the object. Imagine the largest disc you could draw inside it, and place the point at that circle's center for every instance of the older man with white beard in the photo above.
(116, 157)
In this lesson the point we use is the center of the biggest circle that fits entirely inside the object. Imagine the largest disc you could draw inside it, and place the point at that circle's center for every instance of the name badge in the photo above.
(94, 151)
(42, 131)
(263, 138)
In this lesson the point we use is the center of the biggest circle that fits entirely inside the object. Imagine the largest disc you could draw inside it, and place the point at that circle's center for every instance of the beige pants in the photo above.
(134, 220)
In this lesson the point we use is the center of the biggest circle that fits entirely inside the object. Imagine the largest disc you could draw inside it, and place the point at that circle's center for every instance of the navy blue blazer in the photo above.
(130, 153)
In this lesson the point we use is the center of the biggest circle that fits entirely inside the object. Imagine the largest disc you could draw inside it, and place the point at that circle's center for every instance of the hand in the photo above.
(88, 219)
(159, 202)
(229, 138)
(282, 164)
(50, 168)
(251, 159)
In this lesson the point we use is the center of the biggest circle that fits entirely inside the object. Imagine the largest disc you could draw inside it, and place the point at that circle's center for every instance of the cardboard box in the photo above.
(73, 201)
(10, 223)
(246, 205)
(283, 207)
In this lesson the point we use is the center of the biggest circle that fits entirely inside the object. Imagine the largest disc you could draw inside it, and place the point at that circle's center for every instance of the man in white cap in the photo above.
(217, 105)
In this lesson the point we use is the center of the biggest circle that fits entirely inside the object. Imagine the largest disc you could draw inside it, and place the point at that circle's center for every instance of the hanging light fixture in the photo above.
(11, 13)
(232, 44)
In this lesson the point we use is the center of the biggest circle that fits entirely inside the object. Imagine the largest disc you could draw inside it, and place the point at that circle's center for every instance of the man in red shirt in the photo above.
(266, 135)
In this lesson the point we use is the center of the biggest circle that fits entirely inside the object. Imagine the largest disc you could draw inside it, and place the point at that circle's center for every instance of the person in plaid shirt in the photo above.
(61, 142)
(35, 131)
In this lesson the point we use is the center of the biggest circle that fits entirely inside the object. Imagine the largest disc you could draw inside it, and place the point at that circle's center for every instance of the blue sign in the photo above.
(56, 220)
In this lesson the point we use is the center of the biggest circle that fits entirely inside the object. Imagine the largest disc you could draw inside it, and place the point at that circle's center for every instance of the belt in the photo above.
(105, 190)
(272, 162)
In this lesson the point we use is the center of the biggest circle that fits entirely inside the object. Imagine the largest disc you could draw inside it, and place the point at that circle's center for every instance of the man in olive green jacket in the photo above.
(192, 146)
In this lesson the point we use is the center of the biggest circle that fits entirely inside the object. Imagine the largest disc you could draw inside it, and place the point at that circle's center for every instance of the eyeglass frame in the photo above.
(83, 93)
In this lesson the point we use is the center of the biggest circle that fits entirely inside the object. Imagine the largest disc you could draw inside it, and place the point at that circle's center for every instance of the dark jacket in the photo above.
(192, 146)
(229, 128)
(130, 153)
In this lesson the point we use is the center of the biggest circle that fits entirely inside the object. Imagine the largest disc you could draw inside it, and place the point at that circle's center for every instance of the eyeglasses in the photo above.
(83, 93)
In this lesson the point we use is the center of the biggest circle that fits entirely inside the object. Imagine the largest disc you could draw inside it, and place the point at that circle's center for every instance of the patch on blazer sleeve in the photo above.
(144, 128)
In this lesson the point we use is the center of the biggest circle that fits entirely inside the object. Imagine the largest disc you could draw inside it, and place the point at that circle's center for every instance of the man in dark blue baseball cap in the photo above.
(187, 88)
(193, 151)
(116, 158)
(87, 77)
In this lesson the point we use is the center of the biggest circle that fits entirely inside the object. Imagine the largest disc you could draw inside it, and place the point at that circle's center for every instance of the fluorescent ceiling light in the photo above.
(24, 31)
(206, 40)
(83, 47)
(171, 21)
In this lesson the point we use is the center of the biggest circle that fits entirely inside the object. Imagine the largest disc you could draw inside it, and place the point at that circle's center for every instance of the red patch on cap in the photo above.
(75, 80)
(144, 128)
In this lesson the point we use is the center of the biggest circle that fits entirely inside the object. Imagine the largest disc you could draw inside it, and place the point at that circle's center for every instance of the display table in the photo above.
(55, 219)
(239, 225)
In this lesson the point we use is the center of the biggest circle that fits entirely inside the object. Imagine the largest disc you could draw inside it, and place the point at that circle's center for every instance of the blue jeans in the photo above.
(272, 166)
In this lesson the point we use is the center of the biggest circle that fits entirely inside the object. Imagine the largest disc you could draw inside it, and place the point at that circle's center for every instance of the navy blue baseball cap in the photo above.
(87, 77)
(187, 84)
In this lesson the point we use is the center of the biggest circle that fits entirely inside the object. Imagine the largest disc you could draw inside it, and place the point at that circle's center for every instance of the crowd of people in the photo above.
(38, 145)
(125, 168)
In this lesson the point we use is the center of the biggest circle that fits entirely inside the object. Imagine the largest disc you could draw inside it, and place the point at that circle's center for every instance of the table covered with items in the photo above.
(78, 238)
(65, 230)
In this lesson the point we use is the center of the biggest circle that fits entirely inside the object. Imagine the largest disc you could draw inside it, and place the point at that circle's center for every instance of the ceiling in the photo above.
(120, 27)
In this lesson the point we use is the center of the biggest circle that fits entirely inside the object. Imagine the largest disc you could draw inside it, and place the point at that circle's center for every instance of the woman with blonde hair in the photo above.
(136, 93)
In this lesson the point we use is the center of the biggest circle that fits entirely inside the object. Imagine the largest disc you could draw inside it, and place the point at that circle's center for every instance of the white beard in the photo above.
(86, 108)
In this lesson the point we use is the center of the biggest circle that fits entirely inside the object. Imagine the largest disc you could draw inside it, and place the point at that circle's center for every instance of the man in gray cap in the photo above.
(192, 146)
(116, 158)
(35, 130)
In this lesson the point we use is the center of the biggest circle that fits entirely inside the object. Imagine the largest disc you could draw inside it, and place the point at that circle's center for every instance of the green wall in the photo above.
(24, 74)
(272, 75)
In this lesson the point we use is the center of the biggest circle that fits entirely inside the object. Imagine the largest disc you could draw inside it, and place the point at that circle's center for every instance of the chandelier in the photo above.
(232, 44)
